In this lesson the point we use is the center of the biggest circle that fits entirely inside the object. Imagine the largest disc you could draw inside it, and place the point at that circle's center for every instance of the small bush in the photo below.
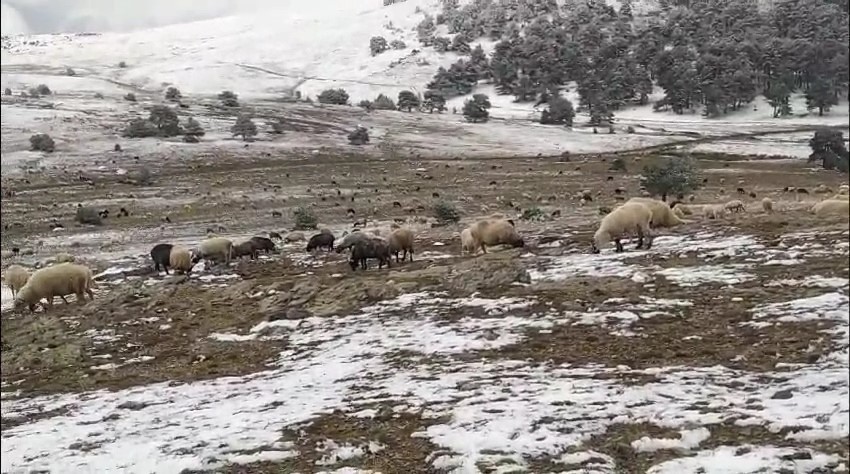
(383, 102)
(366, 105)
(360, 136)
(304, 219)
(122, 64)
(88, 215)
(42, 142)
(98, 95)
(675, 176)
(191, 139)
(130, 97)
(165, 120)
(477, 109)
(533, 214)
(192, 131)
(446, 213)
(70, 72)
(630, 129)
(618, 164)
(117, 147)
(244, 127)
(442, 44)
(42, 89)
(377, 45)
(173, 94)
(277, 127)
(333, 96)
(140, 128)
(7, 91)
(228, 99)
(397, 44)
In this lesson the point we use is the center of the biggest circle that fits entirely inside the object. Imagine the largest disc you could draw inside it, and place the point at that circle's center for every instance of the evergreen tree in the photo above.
(559, 112)
(434, 100)
(377, 45)
(333, 96)
(165, 120)
(820, 96)
(675, 176)
(193, 129)
(360, 136)
(244, 127)
(460, 44)
(477, 109)
(173, 94)
(425, 30)
(228, 99)
(383, 102)
(407, 100)
(778, 95)
(828, 148)
(478, 63)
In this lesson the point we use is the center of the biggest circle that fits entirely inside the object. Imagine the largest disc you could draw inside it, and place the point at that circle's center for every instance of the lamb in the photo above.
(713, 211)
(734, 205)
(349, 240)
(263, 244)
(160, 254)
(214, 248)
(401, 240)
(321, 240)
(494, 232)
(63, 258)
(767, 205)
(243, 249)
(180, 259)
(16, 277)
(662, 215)
(56, 280)
(832, 207)
(631, 217)
(467, 243)
(294, 237)
(365, 249)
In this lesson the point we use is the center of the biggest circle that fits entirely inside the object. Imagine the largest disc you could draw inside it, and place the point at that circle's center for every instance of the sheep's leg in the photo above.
(648, 241)
(63, 299)
(389, 259)
(410, 252)
(156, 267)
(90, 293)
(166, 268)
(483, 248)
(50, 303)
(618, 246)
(81, 298)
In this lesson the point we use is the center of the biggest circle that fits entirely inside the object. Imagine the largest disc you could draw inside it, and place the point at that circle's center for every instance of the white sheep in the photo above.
(679, 212)
(467, 243)
(16, 277)
(662, 215)
(844, 189)
(840, 197)
(767, 205)
(401, 240)
(180, 259)
(294, 237)
(63, 258)
(713, 211)
(632, 218)
(735, 205)
(218, 248)
(494, 232)
(832, 207)
(56, 280)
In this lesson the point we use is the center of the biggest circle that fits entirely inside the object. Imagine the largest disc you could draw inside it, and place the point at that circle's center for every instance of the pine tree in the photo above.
(333, 96)
(434, 100)
(193, 129)
(244, 127)
(165, 120)
(828, 147)
(559, 112)
(778, 95)
(407, 100)
(228, 99)
(820, 96)
(477, 109)
(173, 94)
(377, 45)
(383, 102)
(460, 44)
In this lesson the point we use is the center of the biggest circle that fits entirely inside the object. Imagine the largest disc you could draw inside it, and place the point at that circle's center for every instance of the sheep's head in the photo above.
(518, 242)
(600, 238)
(353, 264)
(25, 297)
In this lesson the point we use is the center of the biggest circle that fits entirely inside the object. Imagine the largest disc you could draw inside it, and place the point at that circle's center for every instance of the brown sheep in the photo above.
(494, 232)
(401, 240)
(180, 259)
(631, 218)
(16, 277)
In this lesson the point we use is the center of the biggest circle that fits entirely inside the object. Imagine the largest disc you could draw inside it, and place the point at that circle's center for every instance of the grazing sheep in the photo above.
(160, 254)
(742, 191)
(802, 191)
(631, 218)
(63, 258)
(840, 197)
(214, 248)
(56, 280)
(753, 195)
(349, 240)
(823, 189)
(767, 205)
(467, 243)
(275, 236)
(844, 189)
(662, 215)
(180, 259)
(832, 207)
(713, 211)
(294, 237)
(494, 232)
(321, 240)
(364, 249)
(401, 240)
(263, 244)
(16, 277)
(734, 205)
(244, 249)
(679, 212)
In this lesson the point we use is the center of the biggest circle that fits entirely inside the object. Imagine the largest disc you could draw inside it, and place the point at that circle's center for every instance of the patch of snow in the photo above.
(688, 440)
(695, 276)
(746, 460)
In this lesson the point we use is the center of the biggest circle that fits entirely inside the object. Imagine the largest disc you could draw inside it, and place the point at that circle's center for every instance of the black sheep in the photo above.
(322, 240)
(365, 249)
(160, 254)
(243, 249)
(263, 244)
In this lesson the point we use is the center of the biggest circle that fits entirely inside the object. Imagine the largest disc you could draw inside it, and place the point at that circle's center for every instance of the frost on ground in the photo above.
(480, 413)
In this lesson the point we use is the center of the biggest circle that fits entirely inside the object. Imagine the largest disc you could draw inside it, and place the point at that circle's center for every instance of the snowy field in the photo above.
(499, 412)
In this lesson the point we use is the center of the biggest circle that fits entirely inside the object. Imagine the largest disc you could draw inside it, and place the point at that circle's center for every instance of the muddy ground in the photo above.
(143, 328)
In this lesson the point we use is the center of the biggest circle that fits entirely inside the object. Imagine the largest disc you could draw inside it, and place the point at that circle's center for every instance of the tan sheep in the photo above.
(840, 197)
(494, 232)
(467, 243)
(767, 205)
(662, 215)
(16, 277)
(63, 258)
(832, 207)
(679, 212)
(180, 259)
(294, 237)
(632, 218)
(844, 189)
(401, 240)
(713, 211)
(56, 280)
(215, 248)
(735, 205)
